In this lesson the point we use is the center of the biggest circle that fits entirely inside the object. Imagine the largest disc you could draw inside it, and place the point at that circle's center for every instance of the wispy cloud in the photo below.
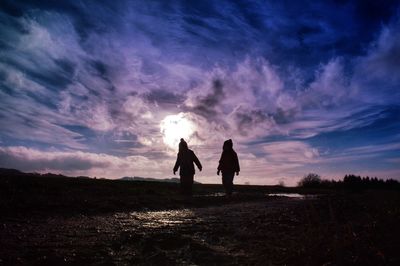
(79, 163)
(97, 80)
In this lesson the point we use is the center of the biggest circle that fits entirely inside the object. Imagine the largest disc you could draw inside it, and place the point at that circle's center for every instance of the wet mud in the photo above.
(341, 229)
(213, 235)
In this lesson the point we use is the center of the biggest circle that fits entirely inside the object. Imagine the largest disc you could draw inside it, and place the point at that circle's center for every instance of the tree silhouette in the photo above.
(310, 180)
(350, 181)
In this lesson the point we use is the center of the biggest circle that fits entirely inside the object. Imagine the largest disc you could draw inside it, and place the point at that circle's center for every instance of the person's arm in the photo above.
(197, 162)
(237, 166)
(220, 164)
(177, 164)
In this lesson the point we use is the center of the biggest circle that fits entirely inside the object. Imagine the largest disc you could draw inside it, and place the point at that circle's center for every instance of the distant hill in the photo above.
(138, 178)
(12, 172)
(16, 173)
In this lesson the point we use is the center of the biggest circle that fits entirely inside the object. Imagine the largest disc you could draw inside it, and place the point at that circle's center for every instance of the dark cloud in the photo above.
(66, 66)
(282, 116)
(206, 105)
(248, 120)
(164, 97)
(56, 79)
(99, 68)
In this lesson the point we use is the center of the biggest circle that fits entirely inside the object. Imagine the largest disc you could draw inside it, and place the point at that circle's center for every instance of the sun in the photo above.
(175, 127)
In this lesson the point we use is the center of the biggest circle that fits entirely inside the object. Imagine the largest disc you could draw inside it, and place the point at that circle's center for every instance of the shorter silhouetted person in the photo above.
(228, 165)
(185, 160)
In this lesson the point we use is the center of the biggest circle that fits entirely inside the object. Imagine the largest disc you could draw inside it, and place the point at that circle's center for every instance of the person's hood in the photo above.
(228, 145)
(183, 145)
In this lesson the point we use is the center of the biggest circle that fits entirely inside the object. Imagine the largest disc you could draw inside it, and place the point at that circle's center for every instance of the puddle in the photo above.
(217, 194)
(289, 195)
(160, 219)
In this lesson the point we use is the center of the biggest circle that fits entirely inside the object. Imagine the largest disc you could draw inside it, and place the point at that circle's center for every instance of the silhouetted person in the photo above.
(228, 165)
(185, 161)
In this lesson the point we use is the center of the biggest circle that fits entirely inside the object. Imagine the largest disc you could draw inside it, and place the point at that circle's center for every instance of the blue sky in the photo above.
(105, 88)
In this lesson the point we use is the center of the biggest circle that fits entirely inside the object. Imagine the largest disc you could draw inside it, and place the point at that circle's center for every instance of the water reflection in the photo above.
(161, 219)
(217, 194)
(289, 195)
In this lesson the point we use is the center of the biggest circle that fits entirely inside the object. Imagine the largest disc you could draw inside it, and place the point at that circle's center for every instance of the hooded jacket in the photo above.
(229, 162)
(185, 160)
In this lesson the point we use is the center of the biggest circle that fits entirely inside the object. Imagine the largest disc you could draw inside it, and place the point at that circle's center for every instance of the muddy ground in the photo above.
(341, 228)
(275, 231)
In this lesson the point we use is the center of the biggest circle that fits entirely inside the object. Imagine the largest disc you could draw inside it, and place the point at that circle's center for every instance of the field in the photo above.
(60, 220)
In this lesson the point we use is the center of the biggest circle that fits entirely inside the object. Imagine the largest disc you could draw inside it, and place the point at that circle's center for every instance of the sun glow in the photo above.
(175, 127)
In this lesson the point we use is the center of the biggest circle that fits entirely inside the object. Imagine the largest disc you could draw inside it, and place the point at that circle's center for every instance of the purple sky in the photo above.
(107, 89)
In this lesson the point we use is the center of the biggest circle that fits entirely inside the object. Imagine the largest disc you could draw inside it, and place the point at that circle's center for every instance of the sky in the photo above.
(107, 88)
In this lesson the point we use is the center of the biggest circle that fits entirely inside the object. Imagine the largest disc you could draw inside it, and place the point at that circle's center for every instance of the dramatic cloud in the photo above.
(79, 163)
(107, 89)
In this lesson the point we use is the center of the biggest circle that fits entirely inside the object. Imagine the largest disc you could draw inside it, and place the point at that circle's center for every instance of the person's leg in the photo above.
(183, 180)
(227, 181)
(224, 183)
(189, 185)
(186, 184)
(230, 183)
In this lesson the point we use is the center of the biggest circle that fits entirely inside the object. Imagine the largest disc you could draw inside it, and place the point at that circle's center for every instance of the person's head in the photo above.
(183, 145)
(228, 145)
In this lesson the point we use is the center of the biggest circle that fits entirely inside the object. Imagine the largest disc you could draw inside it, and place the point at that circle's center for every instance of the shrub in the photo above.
(310, 180)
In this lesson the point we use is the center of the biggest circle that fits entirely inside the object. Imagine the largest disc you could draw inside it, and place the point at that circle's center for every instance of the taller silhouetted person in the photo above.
(228, 165)
(184, 161)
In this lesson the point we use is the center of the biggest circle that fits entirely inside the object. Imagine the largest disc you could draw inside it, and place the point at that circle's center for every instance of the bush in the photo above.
(310, 180)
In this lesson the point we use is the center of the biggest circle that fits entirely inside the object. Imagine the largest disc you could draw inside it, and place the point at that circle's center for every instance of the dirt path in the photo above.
(229, 234)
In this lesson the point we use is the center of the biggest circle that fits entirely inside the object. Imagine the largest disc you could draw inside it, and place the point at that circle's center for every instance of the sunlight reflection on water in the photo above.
(158, 219)
(289, 195)
(217, 194)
